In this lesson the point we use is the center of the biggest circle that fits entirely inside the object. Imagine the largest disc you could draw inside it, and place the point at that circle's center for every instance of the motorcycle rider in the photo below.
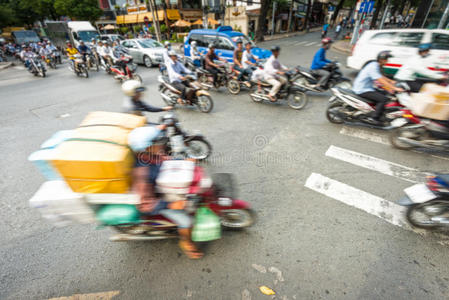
(71, 52)
(149, 145)
(368, 77)
(45, 51)
(320, 62)
(84, 50)
(238, 54)
(417, 65)
(166, 57)
(106, 53)
(195, 55)
(176, 75)
(133, 103)
(212, 67)
(118, 52)
(28, 55)
(249, 60)
(274, 70)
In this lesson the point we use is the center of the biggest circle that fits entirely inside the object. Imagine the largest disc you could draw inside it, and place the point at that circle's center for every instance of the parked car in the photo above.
(111, 37)
(224, 38)
(403, 43)
(145, 51)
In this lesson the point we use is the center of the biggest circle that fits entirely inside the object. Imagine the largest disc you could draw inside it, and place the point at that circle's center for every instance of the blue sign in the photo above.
(366, 7)
(362, 7)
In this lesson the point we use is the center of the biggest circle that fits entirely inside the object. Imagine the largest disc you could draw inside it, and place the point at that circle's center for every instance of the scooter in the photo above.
(37, 67)
(206, 78)
(308, 79)
(195, 94)
(182, 144)
(346, 107)
(291, 92)
(81, 69)
(234, 85)
(428, 204)
(130, 70)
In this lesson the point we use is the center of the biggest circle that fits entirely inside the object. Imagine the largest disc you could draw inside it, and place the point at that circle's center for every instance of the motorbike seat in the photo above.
(350, 92)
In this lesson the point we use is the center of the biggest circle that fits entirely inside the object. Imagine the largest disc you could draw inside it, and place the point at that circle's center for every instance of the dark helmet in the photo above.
(424, 47)
(326, 41)
(275, 49)
(239, 41)
(384, 55)
(168, 119)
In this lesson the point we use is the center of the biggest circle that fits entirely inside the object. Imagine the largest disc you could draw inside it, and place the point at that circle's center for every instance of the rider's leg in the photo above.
(276, 86)
(324, 77)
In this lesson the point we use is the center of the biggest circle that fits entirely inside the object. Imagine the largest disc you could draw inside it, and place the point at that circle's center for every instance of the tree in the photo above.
(261, 25)
(379, 6)
(79, 9)
(340, 5)
(7, 16)
(308, 12)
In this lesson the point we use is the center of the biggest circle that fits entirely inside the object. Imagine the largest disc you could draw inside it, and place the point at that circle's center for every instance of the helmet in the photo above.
(424, 47)
(211, 45)
(168, 119)
(239, 41)
(93, 40)
(193, 43)
(326, 41)
(141, 138)
(384, 55)
(172, 53)
(132, 87)
(275, 48)
(167, 43)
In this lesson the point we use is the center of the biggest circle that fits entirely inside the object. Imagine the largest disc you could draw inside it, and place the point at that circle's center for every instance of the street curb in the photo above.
(6, 65)
(339, 46)
(268, 38)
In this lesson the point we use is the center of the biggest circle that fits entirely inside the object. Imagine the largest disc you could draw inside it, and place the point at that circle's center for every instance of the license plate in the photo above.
(419, 193)
(224, 201)
(399, 122)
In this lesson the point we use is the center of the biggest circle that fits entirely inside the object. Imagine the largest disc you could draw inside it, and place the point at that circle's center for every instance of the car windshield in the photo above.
(87, 36)
(244, 38)
(149, 43)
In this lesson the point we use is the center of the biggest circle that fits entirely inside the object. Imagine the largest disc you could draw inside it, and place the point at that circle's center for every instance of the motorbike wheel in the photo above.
(397, 134)
(297, 100)
(204, 81)
(83, 71)
(198, 148)
(332, 116)
(420, 215)
(343, 85)
(254, 91)
(205, 103)
(137, 77)
(42, 72)
(108, 70)
(237, 218)
(53, 64)
(233, 86)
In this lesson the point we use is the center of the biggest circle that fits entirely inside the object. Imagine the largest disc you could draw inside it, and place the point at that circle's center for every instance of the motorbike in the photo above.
(50, 60)
(308, 78)
(182, 144)
(92, 61)
(220, 198)
(420, 132)
(57, 55)
(206, 78)
(428, 204)
(346, 107)
(195, 94)
(105, 65)
(130, 70)
(234, 85)
(81, 69)
(37, 68)
(291, 92)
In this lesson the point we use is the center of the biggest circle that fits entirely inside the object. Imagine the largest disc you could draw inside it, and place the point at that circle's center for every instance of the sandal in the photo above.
(272, 99)
(190, 250)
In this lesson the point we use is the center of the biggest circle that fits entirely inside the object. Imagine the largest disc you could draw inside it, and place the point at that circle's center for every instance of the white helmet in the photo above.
(193, 43)
(132, 87)
(167, 43)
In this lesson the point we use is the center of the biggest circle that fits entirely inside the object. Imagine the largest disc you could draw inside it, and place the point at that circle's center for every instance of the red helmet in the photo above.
(326, 41)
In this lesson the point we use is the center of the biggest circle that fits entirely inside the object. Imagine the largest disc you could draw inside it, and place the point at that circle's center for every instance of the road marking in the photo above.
(377, 138)
(300, 43)
(19, 68)
(102, 296)
(381, 208)
(376, 164)
(365, 135)
(310, 44)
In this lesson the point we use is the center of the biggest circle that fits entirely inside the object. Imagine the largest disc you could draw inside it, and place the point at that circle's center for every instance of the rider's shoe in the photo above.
(373, 121)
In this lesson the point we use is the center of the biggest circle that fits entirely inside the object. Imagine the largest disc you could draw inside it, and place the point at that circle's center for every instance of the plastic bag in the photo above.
(207, 226)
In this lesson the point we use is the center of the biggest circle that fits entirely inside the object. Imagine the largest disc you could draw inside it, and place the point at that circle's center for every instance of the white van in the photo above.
(403, 44)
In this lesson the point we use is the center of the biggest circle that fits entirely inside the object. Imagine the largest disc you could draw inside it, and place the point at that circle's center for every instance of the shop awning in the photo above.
(173, 14)
(120, 20)
(130, 19)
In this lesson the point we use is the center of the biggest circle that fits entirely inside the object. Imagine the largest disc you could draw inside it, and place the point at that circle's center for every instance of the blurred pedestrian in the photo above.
(337, 31)
(325, 27)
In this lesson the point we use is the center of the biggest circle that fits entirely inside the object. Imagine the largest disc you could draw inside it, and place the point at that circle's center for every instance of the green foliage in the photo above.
(152, 30)
(137, 28)
(163, 28)
(123, 30)
(7, 16)
(79, 9)
(173, 37)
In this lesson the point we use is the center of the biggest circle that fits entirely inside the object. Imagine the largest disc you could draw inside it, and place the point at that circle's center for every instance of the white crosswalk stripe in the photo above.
(349, 195)
(377, 164)
(310, 44)
(300, 43)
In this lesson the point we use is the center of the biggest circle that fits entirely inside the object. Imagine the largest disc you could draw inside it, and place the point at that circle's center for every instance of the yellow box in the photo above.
(428, 106)
(96, 160)
(126, 121)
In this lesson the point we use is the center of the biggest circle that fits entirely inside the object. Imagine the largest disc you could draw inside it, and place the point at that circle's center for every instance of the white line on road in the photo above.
(300, 43)
(349, 195)
(375, 138)
(376, 164)
(365, 135)
(310, 44)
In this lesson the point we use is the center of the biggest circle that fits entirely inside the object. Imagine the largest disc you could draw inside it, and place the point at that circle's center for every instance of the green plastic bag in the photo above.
(207, 226)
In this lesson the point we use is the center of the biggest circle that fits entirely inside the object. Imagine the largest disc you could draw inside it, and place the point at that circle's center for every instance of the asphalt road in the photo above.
(311, 242)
